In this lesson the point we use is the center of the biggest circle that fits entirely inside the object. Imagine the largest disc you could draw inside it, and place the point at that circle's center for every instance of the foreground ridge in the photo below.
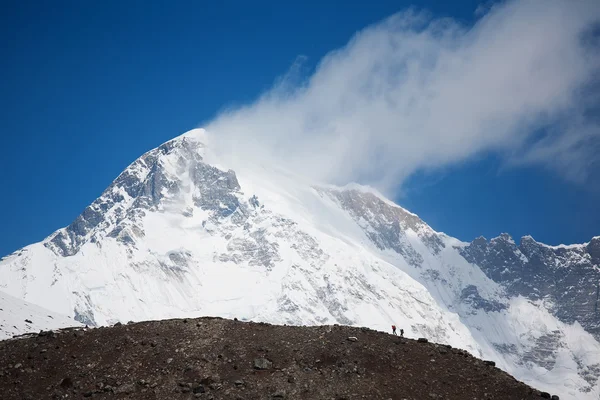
(215, 358)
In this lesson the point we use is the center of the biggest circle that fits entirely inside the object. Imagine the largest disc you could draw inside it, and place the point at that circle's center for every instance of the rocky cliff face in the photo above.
(180, 234)
(566, 278)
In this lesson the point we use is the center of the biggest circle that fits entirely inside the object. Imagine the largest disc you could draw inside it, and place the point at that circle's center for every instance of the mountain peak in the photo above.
(178, 235)
(505, 237)
(196, 134)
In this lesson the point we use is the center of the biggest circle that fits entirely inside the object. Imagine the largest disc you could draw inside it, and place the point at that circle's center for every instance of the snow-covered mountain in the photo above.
(567, 278)
(18, 317)
(179, 233)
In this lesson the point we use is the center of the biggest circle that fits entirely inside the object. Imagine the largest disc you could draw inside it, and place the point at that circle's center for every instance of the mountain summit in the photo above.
(180, 234)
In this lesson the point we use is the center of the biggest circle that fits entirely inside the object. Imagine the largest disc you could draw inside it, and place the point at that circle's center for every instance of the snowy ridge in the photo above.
(18, 317)
(561, 246)
(185, 232)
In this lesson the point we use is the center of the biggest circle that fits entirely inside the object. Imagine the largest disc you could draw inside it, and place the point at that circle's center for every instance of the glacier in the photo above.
(184, 232)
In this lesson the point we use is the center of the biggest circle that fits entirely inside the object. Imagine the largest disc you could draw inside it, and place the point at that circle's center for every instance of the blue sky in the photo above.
(89, 86)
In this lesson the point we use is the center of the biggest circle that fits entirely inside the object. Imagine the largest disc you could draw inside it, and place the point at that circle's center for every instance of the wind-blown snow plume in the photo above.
(414, 93)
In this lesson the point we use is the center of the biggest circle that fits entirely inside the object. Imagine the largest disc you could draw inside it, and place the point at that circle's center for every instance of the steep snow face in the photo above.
(18, 317)
(179, 233)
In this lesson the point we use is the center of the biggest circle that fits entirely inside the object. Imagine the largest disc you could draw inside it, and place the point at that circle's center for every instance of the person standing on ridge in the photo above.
(401, 332)
(394, 329)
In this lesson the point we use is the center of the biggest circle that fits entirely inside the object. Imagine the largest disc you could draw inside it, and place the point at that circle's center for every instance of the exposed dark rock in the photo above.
(384, 234)
(262, 363)
(198, 389)
(470, 295)
(66, 383)
(544, 352)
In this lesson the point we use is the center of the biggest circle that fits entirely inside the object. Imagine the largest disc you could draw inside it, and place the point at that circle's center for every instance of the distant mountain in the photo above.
(566, 278)
(183, 233)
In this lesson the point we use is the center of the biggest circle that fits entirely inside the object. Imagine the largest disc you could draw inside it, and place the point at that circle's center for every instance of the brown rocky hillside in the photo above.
(213, 358)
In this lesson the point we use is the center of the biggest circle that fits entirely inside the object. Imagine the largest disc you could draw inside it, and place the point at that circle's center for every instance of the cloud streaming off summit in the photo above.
(416, 92)
(280, 212)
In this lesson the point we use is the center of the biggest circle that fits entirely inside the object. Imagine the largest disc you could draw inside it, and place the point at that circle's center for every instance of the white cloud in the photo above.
(415, 93)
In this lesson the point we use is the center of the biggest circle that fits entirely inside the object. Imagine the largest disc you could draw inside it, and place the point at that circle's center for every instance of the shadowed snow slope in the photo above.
(185, 232)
